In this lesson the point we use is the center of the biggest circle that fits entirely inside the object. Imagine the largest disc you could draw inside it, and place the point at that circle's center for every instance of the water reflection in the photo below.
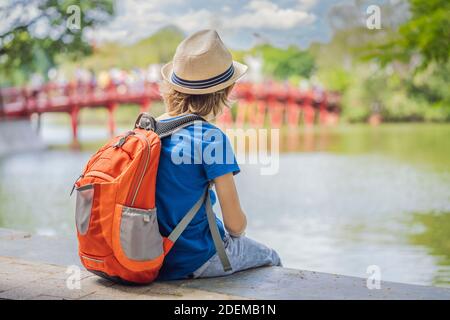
(340, 213)
(34, 191)
(427, 145)
(432, 231)
(343, 199)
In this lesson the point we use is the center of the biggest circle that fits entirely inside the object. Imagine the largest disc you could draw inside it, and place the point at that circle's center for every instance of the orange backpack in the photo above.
(116, 215)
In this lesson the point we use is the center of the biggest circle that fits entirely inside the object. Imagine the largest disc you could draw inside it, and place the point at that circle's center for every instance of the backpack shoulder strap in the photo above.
(165, 128)
(217, 239)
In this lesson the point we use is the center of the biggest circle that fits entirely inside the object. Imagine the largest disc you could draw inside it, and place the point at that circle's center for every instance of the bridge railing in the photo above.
(257, 103)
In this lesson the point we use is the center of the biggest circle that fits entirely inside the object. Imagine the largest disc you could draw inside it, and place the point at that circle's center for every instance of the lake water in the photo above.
(343, 199)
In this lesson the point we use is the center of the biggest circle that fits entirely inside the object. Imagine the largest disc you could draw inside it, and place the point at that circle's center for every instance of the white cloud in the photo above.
(266, 14)
(134, 20)
(195, 20)
(226, 8)
(256, 15)
(257, 5)
(137, 19)
(306, 4)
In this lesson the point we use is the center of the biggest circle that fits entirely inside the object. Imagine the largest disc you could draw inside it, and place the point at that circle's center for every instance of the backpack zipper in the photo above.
(144, 170)
(92, 259)
(123, 139)
(74, 184)
(99, 174)
(82, 175)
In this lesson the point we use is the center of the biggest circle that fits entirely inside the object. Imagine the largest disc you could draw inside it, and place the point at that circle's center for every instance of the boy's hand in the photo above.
(233, 235)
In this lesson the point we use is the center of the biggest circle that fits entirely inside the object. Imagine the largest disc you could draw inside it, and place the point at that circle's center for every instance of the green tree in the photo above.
(400, 71)
(35, 32)
(286, 63)
(426, 34)
(157, 48)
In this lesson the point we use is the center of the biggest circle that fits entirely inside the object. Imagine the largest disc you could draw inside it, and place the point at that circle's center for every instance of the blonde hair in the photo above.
(202, 104)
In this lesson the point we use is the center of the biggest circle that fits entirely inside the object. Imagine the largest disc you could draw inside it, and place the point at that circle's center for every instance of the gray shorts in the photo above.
(243, 253)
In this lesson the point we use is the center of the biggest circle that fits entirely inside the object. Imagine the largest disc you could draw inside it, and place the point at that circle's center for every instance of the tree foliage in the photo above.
(286, 63)
(157, 48)
(425, 35)
(400, 71)
(35, 32)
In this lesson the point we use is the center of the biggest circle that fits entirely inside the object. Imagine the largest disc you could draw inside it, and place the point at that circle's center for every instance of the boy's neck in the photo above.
(166, 115)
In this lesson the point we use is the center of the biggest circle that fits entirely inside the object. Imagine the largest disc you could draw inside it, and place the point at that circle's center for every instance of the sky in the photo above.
(241, 23)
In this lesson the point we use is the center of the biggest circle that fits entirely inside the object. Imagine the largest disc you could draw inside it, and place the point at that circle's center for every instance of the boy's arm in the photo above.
(233, 217)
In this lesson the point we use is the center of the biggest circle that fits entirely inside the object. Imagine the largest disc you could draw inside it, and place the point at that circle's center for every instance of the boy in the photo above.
(199, 81)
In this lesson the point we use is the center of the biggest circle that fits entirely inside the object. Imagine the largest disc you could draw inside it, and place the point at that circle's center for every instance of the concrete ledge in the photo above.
(34, 267)
(20, 279)
(290, 284)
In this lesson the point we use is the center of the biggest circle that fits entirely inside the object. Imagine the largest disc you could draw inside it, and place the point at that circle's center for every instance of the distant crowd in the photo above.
(135, 77)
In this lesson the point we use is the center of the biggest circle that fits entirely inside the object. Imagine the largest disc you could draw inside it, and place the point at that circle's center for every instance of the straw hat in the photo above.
(202, 64)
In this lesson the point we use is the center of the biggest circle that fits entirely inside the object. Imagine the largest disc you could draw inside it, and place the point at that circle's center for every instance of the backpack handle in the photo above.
(145, 121)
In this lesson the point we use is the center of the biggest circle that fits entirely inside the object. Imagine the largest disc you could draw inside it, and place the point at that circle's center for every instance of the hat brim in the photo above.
(167, 70)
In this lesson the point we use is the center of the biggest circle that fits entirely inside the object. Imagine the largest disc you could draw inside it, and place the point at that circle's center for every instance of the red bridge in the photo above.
(256, 103)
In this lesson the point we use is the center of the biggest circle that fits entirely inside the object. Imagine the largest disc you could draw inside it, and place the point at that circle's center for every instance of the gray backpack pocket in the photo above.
(139, 234)
(85, 196)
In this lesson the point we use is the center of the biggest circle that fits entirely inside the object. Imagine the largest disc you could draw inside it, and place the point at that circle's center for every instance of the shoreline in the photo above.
(38, 267)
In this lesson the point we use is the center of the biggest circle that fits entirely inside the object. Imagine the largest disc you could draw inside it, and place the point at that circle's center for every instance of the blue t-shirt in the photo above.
(189, 159)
